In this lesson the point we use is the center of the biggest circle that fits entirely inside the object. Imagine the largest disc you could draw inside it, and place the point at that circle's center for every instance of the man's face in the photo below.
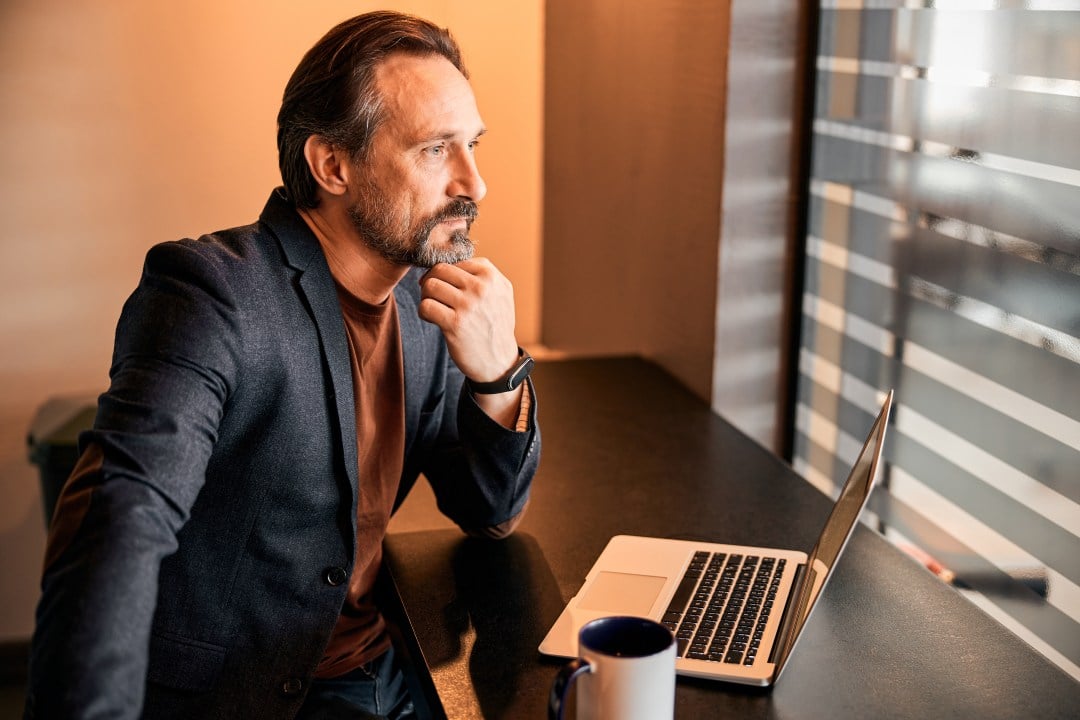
(417, 190)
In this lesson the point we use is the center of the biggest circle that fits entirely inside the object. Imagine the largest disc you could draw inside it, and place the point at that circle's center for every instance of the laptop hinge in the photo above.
(789, 615)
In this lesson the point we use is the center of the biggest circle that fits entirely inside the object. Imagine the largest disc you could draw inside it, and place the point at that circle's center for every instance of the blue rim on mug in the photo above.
(625, 636)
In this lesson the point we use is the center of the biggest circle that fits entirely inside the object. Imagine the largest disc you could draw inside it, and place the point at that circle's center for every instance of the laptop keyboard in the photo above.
(721, 606)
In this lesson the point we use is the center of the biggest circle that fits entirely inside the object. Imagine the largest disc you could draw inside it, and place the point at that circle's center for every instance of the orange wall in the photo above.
(129, 122)
(634, 111)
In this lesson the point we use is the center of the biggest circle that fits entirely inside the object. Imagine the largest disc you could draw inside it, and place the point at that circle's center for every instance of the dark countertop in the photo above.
(629, 450)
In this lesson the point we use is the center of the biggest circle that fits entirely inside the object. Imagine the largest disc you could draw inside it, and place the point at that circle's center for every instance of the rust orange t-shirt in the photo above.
(379, 386)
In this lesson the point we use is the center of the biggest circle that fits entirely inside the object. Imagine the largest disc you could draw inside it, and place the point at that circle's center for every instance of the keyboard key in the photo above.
(721, 606)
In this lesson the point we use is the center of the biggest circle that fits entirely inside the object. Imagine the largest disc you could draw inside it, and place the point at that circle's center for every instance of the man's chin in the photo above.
(454, 249)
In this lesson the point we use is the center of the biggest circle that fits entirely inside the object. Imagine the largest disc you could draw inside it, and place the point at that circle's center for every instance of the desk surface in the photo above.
(629, 450)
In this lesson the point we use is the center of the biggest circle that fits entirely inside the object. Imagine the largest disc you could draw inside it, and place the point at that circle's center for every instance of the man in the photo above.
(275, 391)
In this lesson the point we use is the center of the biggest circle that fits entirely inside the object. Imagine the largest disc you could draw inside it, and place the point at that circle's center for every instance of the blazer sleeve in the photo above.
(174, 365)
(481, 472)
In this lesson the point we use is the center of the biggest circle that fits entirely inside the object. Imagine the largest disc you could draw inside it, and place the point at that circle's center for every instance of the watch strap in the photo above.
(510, 380)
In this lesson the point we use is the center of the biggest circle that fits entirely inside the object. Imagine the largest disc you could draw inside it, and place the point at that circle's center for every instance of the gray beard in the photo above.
(381, 229)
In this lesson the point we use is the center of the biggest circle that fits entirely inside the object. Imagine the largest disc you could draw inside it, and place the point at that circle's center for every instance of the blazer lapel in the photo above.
(412, 361)
(316, 287)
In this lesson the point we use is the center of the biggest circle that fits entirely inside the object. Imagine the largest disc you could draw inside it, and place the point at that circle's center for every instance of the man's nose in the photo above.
(466, 182)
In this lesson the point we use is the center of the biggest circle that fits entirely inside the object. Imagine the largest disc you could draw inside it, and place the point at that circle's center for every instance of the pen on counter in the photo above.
(929, 562)
(1034, 579)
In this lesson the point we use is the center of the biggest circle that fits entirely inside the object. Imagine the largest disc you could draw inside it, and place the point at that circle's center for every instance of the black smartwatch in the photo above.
(510, 380)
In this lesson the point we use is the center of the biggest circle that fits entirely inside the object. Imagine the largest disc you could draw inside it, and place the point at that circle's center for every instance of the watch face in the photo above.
(520, 372)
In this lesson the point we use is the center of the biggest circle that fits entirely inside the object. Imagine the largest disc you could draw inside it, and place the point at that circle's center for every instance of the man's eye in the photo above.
(436, 150)
(472, 145)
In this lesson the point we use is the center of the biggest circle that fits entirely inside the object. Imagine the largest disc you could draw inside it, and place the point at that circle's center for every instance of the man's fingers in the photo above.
(455, 284)
(461, 273)
(473, 304)
(455, 275)
(437, 289)
(475, 266)
(437, 313)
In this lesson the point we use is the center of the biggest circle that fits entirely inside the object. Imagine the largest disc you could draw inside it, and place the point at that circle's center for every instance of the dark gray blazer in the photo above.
(197, 582)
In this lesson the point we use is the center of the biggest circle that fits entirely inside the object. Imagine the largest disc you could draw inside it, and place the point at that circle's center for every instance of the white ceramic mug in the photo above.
(625, 670)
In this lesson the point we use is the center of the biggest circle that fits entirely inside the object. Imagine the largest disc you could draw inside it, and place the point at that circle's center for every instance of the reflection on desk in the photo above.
(487, 623)
(629, 450)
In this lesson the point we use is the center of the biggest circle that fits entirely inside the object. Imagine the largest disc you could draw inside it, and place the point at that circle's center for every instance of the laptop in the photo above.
(736, 611)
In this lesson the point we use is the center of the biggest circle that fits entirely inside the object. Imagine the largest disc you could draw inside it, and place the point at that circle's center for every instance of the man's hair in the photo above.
(332, 92)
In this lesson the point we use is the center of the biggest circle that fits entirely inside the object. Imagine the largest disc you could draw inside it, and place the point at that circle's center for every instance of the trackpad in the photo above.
(622, 593)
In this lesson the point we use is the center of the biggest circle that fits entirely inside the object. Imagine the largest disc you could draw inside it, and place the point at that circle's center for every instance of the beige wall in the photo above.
(671, 189)
(634, 112)
(127, 122)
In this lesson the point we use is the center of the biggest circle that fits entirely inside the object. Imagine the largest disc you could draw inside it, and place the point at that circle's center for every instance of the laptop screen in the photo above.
(835, 534)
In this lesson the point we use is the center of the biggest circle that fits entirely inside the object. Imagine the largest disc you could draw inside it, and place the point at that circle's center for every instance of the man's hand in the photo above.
(473, 304)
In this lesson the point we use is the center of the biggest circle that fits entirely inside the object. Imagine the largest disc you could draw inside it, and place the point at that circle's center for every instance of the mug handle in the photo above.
(570, 672)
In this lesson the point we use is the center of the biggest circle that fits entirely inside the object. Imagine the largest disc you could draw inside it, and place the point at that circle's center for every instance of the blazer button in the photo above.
(336, 575)
(292, 686)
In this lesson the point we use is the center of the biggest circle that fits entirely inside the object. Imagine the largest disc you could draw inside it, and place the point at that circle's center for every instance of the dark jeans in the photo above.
(374, 691)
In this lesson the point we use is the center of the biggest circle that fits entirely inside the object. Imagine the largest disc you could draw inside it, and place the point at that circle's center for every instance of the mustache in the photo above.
(457, 209)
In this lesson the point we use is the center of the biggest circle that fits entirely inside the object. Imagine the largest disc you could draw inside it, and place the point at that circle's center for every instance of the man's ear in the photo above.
(328, 164)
